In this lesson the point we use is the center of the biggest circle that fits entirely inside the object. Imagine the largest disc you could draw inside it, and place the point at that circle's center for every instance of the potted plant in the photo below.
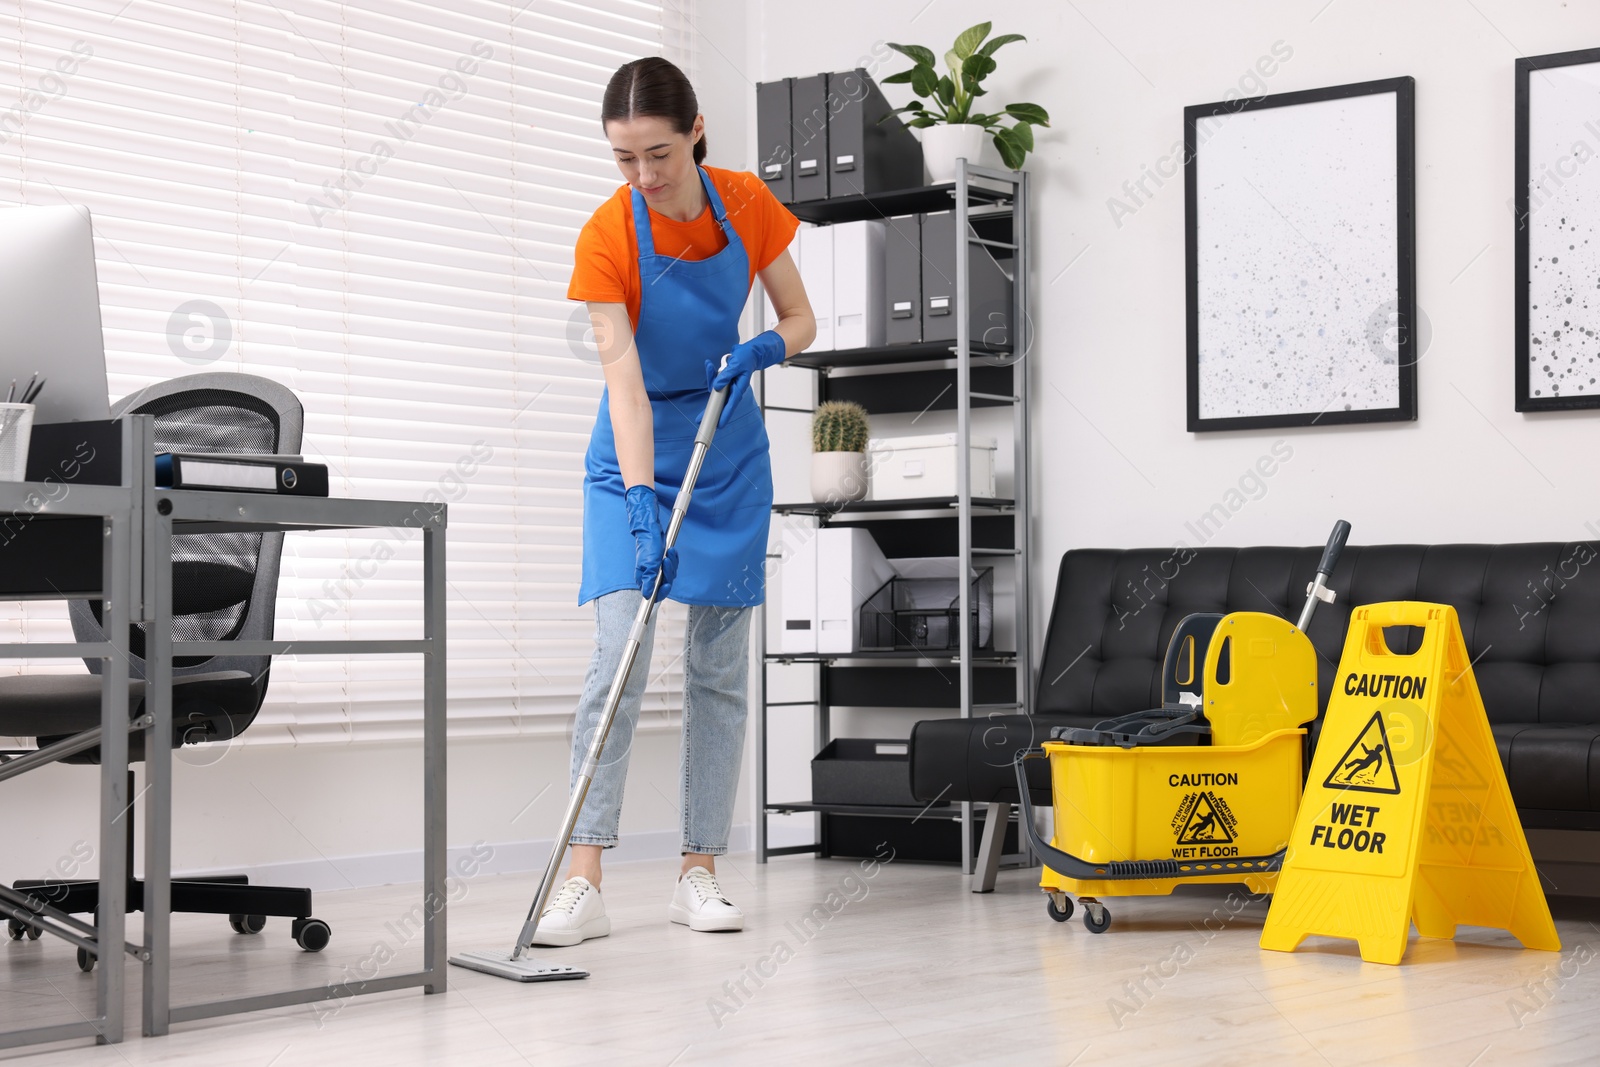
(839, 452)
(951, 129)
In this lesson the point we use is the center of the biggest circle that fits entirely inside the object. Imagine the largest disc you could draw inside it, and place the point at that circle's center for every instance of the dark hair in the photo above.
(653, 86)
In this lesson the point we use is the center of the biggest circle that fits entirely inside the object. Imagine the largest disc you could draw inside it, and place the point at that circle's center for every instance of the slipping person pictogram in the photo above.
(1368, 764)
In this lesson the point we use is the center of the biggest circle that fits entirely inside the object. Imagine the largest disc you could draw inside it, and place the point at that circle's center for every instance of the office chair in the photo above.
(224, 587)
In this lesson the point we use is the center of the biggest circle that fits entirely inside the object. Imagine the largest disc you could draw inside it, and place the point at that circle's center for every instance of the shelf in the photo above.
(925, 503)
(893, 202)
(888, 355)
(937, 810)
(907, 655)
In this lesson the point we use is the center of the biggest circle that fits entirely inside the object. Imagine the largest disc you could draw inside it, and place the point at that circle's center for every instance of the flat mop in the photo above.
(513, 964)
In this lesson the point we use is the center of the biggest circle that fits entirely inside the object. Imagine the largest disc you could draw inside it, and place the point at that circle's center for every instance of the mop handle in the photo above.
(1318, 589)
(630, 651)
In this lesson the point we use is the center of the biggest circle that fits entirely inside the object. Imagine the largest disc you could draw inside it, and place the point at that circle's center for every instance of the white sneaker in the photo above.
(698, 903)
(576, 913)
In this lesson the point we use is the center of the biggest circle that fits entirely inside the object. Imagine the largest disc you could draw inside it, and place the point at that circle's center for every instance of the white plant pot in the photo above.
(838, 477)
(945, 143)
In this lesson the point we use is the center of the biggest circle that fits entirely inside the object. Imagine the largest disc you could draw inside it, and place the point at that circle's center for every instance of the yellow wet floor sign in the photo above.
(1406, 815)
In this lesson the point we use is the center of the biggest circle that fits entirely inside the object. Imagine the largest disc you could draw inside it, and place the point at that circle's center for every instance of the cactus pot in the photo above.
(838, 477)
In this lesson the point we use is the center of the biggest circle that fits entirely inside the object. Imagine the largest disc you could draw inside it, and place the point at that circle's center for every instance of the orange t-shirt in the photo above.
(605, 265)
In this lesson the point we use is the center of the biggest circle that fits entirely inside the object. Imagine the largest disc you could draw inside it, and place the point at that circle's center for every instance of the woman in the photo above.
(666, 265)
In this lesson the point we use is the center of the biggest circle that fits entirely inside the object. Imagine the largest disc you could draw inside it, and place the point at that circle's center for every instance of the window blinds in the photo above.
(375, 203)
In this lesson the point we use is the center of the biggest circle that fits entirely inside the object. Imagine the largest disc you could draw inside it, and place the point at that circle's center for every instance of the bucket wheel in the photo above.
(1059, 907)
(1096, 918)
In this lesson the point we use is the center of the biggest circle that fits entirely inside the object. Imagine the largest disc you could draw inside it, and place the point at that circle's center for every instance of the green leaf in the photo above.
(986, 121)
(1029, 113)
(914, 52)
(1022, 135)
(953, 62)
(922, 123)
(970, 39)
(923, 81)
(903, 78)
(1005, 38)
(977, 67)
(1011, 154)
(946, 91)
(915, 105)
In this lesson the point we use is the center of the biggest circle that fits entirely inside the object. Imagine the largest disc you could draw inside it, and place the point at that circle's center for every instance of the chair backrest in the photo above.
(224, 585)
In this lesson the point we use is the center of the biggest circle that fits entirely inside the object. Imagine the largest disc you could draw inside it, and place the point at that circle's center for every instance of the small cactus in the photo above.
(839, 426)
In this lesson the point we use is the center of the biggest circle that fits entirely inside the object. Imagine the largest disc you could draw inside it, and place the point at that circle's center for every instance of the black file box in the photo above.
(988, 286)
(808, 119)
(775, 139)
(902, 283)
(868, 150)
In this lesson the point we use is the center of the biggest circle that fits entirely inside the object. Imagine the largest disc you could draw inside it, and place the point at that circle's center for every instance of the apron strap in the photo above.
(641, 226)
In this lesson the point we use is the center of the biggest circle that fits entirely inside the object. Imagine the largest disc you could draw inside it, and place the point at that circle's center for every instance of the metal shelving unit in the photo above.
(929, 376)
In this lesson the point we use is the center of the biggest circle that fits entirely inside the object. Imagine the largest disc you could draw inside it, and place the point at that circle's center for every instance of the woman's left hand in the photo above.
(760, 352)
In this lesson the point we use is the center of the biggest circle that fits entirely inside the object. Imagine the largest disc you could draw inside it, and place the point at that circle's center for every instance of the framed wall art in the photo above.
(1301, 244)
(1556, 208)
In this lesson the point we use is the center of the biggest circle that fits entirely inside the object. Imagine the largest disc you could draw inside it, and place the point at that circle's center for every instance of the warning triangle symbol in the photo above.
(1204, 826)
(1368, 764)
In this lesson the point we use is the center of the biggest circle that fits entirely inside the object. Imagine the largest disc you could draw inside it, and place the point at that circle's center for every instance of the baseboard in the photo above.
(392, 868)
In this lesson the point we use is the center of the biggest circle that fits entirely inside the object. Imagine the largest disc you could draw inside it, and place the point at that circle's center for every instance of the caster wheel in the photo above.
(15, 930)
(35, 932)
(312, 935)
(1061, 914)
(247, 924)
(1096, 919)
(85, 961)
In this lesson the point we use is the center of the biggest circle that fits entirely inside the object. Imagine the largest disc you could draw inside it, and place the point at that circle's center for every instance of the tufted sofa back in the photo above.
(1530, 613)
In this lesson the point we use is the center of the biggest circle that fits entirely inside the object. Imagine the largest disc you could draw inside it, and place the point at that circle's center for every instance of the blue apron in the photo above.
(689, 312)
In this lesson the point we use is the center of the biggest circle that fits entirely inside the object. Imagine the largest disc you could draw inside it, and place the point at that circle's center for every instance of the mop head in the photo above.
(501, 965)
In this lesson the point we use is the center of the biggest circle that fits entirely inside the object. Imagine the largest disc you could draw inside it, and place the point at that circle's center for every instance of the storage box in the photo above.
(904, 468)
(922, 613)
(859, 770)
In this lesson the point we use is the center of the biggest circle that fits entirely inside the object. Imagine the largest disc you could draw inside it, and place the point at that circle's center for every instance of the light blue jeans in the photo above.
(716, 646)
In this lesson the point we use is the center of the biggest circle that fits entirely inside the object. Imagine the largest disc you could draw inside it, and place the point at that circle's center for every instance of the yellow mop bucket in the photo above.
(1135, 816)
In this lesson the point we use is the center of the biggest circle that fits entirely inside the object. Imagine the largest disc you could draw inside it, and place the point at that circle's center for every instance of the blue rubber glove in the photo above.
(760, 352)
(648, 540)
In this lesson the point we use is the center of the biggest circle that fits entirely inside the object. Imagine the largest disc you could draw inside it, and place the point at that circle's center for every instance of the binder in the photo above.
(902, 274)
(808, 121)
(775, 139)
(797, 578)
(858, 283)
(988, 285)
(849, 569)
(816, 270)
(867, 154)
(288, 475)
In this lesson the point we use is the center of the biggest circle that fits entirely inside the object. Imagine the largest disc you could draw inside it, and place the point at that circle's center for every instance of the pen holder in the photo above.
(16, 429)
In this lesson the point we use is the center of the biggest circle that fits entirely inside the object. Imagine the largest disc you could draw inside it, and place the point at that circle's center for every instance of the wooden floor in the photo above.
(907, 967)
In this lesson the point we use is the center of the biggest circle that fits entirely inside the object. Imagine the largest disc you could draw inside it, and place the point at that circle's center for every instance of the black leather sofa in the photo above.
(1530, 613)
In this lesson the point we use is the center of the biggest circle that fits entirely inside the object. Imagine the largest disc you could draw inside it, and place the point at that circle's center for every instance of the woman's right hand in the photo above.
(648, 542)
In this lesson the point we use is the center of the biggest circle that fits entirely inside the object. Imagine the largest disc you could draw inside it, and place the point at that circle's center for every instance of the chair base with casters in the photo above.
(198, 703)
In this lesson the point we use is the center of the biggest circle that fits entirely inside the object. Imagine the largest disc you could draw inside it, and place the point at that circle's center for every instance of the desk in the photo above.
(136, 580)
(23, 503)
(164, 512)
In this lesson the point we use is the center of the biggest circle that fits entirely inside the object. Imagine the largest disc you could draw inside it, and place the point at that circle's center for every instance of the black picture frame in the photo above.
(1534, 394)
(1401, 317)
